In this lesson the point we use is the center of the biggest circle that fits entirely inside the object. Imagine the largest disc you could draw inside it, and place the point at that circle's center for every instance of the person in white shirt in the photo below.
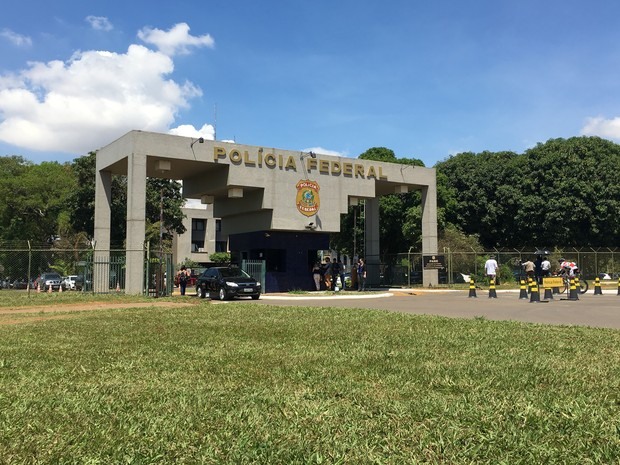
(546, 267)
(490, 268)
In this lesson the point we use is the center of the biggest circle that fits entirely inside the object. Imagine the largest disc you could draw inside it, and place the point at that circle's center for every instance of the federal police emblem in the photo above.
(307, 200)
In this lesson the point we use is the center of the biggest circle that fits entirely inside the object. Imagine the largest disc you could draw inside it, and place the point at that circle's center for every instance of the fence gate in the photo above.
(256, 269)
(159, 274)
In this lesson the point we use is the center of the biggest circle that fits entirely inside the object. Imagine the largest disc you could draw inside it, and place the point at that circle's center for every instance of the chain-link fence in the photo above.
(21, 266)
(30, 267)
(405, 269)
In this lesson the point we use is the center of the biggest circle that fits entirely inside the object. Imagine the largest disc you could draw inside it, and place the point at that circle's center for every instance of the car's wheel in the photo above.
(255, 297)
(222, 294)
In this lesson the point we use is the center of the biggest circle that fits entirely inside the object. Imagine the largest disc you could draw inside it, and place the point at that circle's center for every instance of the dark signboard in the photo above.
(433, 262)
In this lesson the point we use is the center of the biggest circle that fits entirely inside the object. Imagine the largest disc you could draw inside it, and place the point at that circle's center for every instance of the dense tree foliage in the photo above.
(565, 192)
(54, 202)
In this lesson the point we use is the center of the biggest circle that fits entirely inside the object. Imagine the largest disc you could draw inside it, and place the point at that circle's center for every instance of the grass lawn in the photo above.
(248, 383)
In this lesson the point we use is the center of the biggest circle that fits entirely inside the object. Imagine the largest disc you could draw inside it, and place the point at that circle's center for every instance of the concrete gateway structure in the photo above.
(276, 205)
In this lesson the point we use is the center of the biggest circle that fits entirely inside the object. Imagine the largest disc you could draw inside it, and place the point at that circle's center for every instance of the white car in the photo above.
(70, 282)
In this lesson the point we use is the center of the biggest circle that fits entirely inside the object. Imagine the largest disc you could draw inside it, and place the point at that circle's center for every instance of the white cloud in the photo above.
(207, 131)
(99, 23)
(599, 126)
(79, 105)
(175, 41)
(15, 38)
(323, 151)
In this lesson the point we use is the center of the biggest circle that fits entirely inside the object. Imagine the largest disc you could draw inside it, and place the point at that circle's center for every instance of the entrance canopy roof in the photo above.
(262, 188)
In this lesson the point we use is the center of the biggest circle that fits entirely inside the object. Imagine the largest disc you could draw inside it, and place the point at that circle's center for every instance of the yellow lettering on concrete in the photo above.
(371, 172)
(235, 156)
(336, 168)
(219, 152)
(359, 171)
(290, 164)
(247, 160)
(381, 175)
(260, 157)
(280, 161)
(311, 164)
(270, 160)
(323, 166)
(347, 169)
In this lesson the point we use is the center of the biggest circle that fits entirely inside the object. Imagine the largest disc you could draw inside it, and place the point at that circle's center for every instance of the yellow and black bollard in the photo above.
(548, 293)
(572, 295)
(472, 288)
(618, 286)
(523, 290)
(534, 293)
(492, 291)
(597, 286)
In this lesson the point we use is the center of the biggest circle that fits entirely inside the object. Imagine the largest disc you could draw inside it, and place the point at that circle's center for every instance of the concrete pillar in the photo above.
(103, 218)
(429, 230)
(372, 243)
(136, 223)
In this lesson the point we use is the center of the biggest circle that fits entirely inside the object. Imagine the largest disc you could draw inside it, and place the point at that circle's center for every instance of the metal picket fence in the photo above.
(22, 263)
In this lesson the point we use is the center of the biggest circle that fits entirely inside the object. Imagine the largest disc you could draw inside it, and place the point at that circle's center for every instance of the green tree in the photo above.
(400, 215)
(35, 199)
(565, 192)
(83, 205)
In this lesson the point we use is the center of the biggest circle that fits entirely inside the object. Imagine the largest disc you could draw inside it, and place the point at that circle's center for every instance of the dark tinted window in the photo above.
(233, 273)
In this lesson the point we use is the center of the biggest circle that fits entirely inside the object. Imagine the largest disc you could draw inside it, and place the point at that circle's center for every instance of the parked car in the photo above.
(49, 279)
(226, 283)
(73, 282)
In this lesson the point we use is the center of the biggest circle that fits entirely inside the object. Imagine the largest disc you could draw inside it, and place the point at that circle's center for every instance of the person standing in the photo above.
(490, 268)
(316, 275)
(183, 278)
(335, 273)
(361, 275)
(342, 270)
(545, 267)
(327, 273)
(529, 267)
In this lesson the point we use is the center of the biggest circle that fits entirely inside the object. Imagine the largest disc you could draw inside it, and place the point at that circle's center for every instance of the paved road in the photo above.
(590, 310)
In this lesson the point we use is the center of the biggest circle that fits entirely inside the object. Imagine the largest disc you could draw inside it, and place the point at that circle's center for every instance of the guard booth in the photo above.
(274, 205)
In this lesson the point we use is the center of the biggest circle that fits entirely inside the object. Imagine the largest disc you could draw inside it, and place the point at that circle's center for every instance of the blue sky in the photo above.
(425, 79)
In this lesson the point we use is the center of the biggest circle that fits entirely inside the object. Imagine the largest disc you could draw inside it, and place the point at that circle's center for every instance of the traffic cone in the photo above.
(548, 293)
(60, 288)
(534, 294)
(118, 287)
(523, 290)
(49, 290)
(39, 287)
(597, 286)
(530, 283)
(472, 288)
(572, 295)
(492, 291)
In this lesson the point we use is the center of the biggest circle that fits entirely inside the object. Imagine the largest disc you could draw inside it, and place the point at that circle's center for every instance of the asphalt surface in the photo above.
(602, 311)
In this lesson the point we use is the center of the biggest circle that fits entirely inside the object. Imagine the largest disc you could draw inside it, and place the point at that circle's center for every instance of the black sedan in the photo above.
(226, 283)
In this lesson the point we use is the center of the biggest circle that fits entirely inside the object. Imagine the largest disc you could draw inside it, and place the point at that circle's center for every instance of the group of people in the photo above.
(327, 274)
(538, 269)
